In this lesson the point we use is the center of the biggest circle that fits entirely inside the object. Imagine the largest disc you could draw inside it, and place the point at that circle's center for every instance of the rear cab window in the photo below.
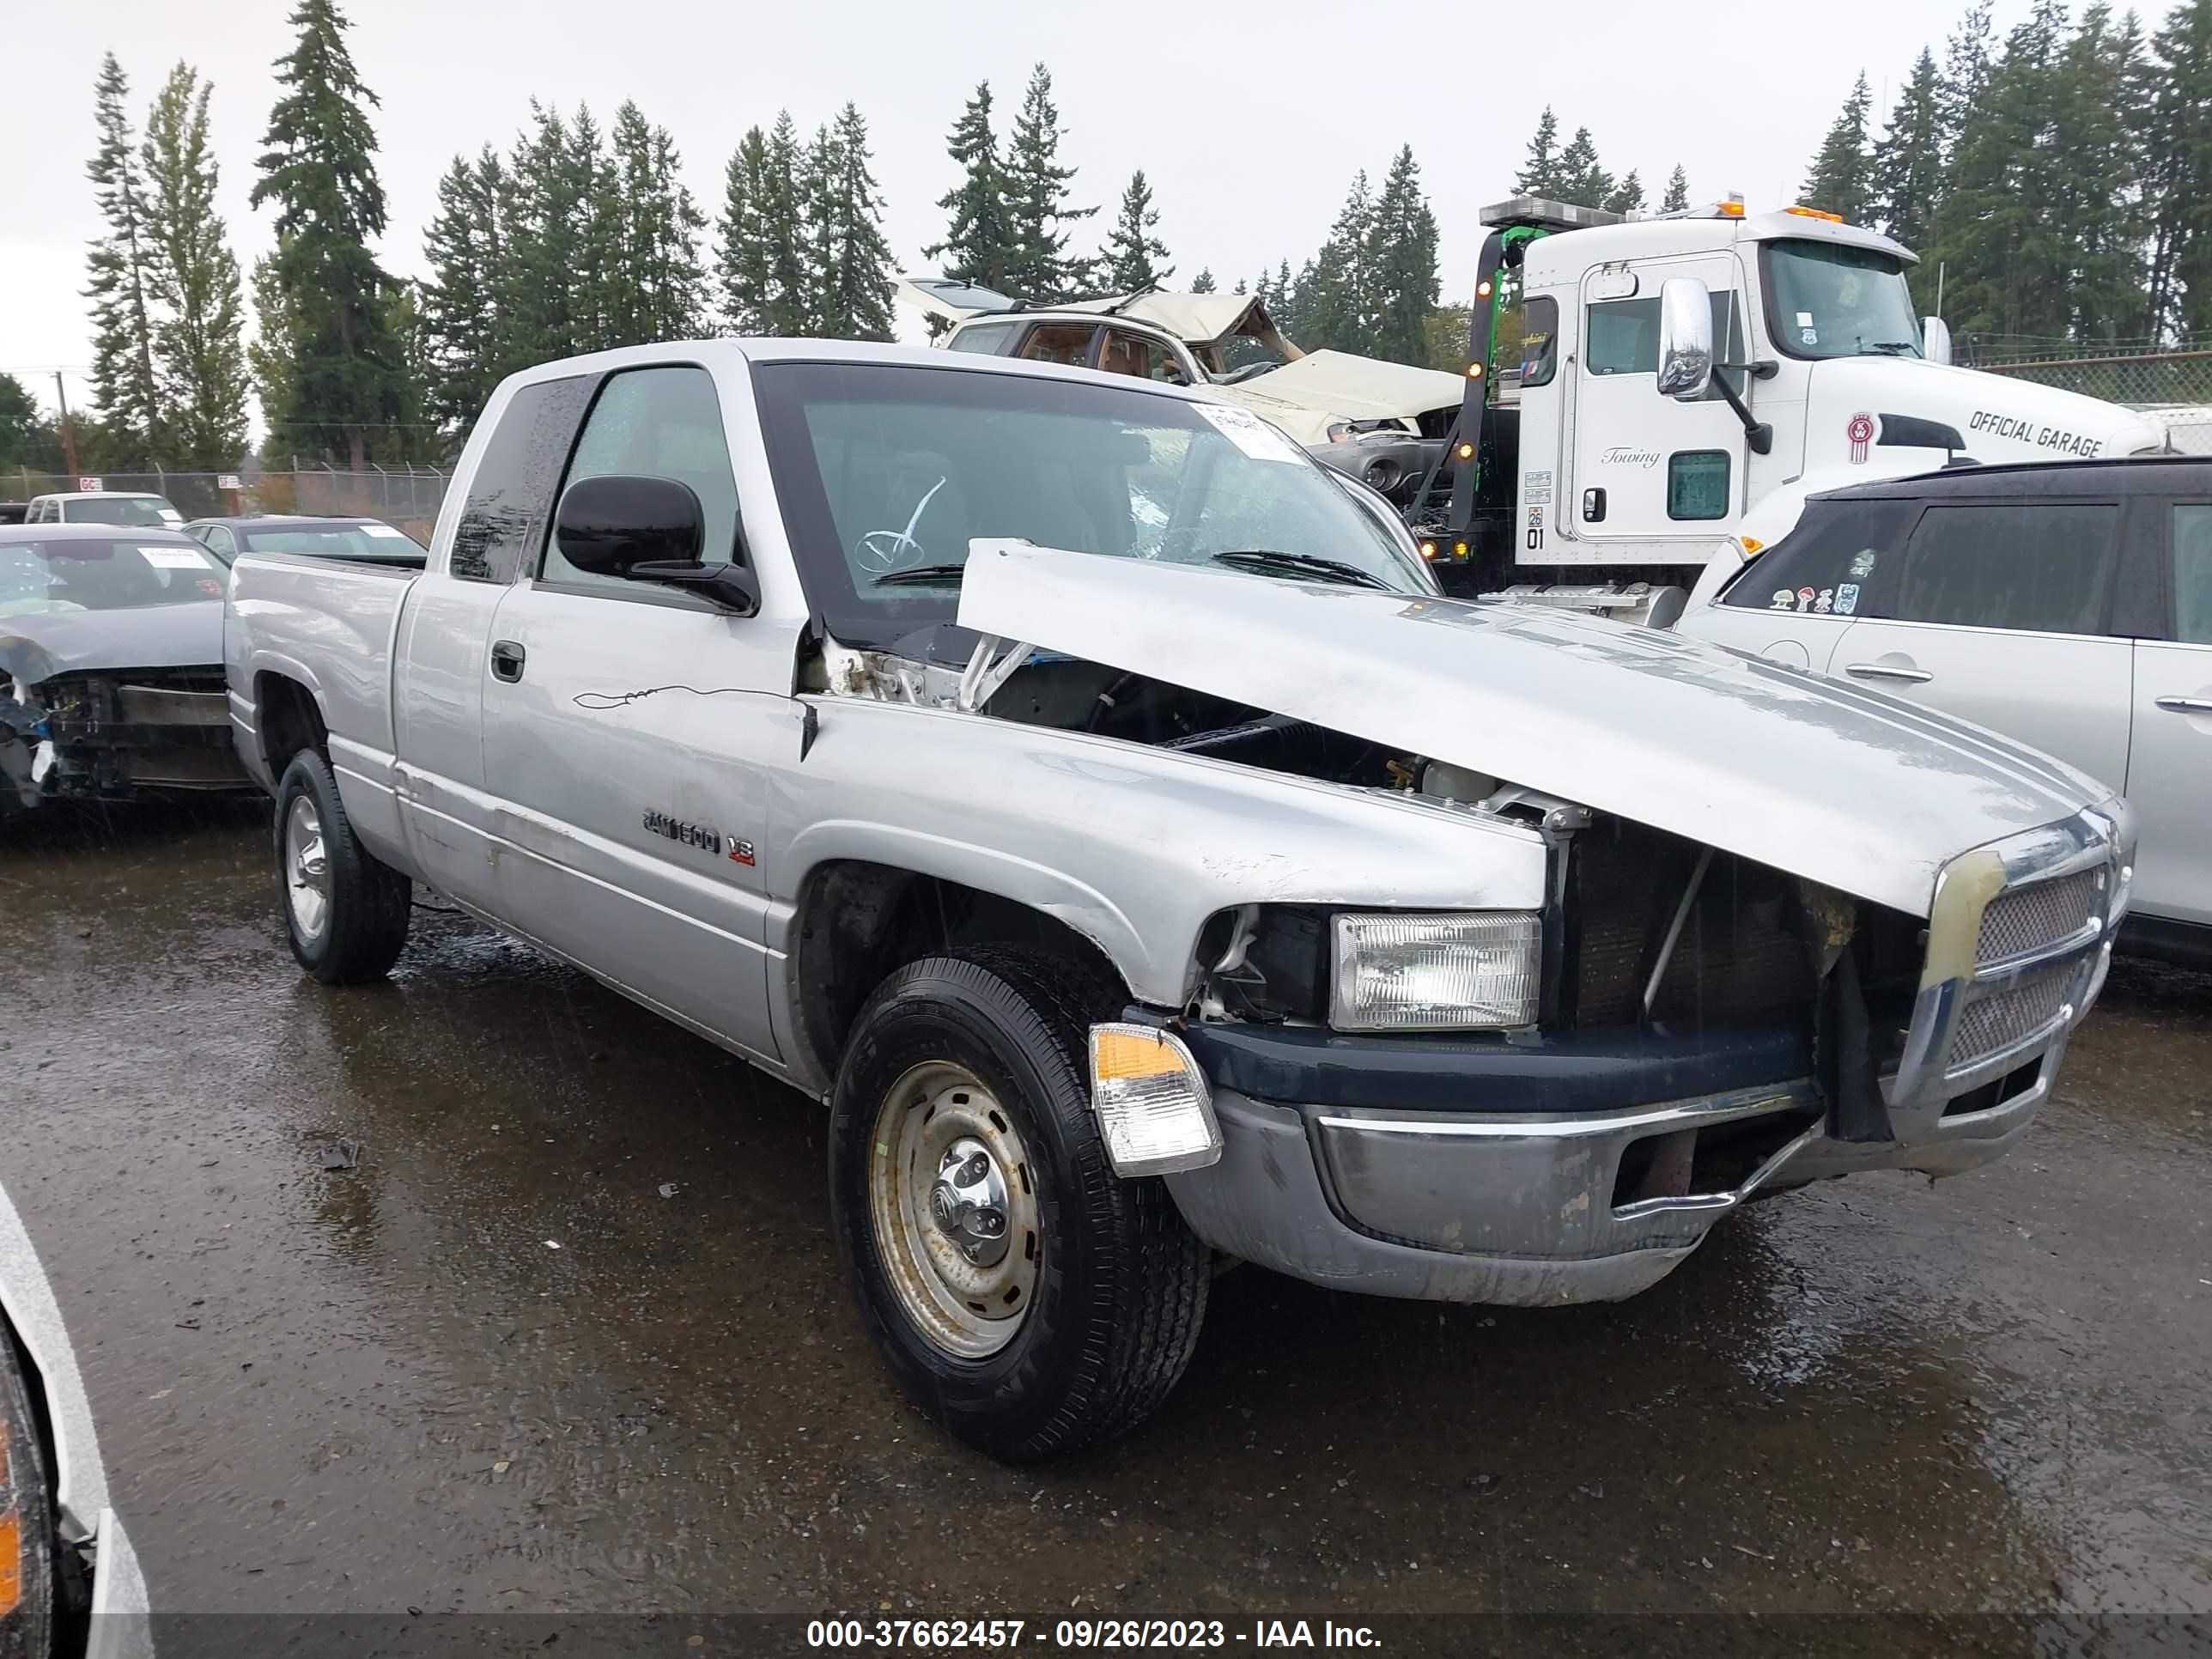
(1843, 559)
(510, 501)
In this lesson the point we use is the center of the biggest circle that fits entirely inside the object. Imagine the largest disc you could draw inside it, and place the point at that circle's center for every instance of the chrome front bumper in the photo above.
(1557, 1207)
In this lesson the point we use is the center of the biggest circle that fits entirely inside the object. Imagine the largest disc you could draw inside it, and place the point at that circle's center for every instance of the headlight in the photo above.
(1426, 973)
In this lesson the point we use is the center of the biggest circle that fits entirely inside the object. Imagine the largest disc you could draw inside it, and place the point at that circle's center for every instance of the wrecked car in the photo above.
(110, 667)
(1091, 799)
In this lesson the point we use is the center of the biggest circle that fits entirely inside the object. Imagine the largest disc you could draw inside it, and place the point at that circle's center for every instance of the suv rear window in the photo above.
(1842, 559)
(2042, 566)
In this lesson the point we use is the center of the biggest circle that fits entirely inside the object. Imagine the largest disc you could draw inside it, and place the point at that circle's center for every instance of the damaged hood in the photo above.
(1848, 787)
(1342, 386)
(33, 648)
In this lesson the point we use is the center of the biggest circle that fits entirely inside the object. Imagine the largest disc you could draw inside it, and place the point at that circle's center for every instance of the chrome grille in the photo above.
(2042, 913)
(2004, 1017)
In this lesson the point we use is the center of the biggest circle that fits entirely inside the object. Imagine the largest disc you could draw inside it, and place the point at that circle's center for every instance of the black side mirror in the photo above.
(646, 530)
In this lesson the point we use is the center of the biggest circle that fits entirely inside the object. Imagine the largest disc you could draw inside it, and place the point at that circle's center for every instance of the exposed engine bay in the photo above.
(115, 737)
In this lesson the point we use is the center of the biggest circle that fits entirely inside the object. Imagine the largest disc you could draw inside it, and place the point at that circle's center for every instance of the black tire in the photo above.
(27, 1492)
(1120, 1283)
(369, 903)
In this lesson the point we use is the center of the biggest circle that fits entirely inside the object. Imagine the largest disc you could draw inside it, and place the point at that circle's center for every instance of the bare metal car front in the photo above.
(1791, 931)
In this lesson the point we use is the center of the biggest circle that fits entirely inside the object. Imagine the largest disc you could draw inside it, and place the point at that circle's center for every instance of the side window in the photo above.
(1697, 484)
(657, 424)
(2042, 568)
(1141, 356)
(219, 542)
(2192, 574)
(1059, 342)
(989, 337)
(1623, 335)
(1843, 560)
(1540, 340)
(511, 495)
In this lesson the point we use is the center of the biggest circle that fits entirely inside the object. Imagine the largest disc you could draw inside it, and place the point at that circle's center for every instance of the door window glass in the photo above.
(1624, 337)
(2042, 568)
(1842, 559)
(511, 494)
(1060, 343)
(2192, 574)
(1146, 359)
(982, 337)
(657, 424)
(1697, 484)
(1540, 340)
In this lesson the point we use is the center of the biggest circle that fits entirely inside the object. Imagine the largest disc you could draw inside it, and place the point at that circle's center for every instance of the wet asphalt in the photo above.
(382, 1388)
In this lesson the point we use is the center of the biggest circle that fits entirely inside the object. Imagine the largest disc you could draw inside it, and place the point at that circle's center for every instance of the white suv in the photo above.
(105, 507)
(2068, 605)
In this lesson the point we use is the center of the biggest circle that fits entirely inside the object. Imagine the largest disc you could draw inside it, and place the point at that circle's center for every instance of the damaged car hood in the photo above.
(1848, 787)
(33, 648)
(1341, 383)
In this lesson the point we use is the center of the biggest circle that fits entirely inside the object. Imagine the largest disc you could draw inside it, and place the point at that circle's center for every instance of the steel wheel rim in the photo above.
(306, 868)
(966, 1290)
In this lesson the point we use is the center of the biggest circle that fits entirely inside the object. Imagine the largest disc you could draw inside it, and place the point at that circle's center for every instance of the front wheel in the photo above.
(345, 912)
(1026, 1296)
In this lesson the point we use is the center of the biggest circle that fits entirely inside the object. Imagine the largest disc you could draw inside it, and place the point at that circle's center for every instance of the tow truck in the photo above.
(1645, 392)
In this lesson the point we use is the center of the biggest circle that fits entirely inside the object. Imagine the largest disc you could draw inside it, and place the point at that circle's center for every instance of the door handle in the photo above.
(2186, 705)
(1882, 670)
(506, 660)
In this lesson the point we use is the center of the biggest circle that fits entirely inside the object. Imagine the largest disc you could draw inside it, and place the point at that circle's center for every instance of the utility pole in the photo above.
(69, 432)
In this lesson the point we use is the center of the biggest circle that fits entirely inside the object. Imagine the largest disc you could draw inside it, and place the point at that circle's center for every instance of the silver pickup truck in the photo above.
(1093, 801)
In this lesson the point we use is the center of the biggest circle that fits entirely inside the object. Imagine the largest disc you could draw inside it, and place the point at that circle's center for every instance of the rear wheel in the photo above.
(345, 913)
(1026, 1296)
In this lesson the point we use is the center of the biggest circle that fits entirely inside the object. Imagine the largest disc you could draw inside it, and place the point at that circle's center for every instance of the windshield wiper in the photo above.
(1302, 564)
(920, 575)
(1887, 348)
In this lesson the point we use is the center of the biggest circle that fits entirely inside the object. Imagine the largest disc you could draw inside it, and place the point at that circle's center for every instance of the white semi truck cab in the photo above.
(1645, 392)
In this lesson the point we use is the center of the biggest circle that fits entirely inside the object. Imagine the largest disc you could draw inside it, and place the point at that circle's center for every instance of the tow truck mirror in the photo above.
(1685, 339)
(1936, 339)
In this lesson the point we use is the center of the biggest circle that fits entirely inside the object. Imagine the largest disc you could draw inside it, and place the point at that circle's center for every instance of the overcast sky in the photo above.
(1249, 120)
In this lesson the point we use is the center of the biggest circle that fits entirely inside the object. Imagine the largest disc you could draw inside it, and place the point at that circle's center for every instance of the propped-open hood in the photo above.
(1849, 787)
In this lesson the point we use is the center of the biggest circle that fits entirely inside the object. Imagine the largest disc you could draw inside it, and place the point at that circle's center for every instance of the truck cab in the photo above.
(1637, 386)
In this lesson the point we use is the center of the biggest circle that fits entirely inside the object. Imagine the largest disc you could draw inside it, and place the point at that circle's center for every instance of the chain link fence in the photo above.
(407, 498)
(2169, 380)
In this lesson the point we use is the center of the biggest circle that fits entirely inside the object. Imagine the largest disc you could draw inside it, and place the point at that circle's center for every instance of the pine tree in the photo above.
(978, 245)
(1841, 179)
(2006, 262)
(1401, 260)
(28, 439)
(1906, 173)
(1204, 282)
(1966, 60)
(539, 309)
(1627, 195)
(2178, 142)
(743, 259)
(855, 296)
(465, 343)
(1038, 216)
(1335, 294)
(788, 307)
(1539, 173)
(655, 291)
(199, 348)
(1678, 191)
(1580, 181)
(124, 385)
(2096, 206)
(319, 169)
(596, 296)
(1128, 257)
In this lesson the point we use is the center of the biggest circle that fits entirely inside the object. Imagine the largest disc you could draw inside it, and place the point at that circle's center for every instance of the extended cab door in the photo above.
(509, 474)
(2000, 615)
(625, 728)
(1643, 468)
(2169, 776)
